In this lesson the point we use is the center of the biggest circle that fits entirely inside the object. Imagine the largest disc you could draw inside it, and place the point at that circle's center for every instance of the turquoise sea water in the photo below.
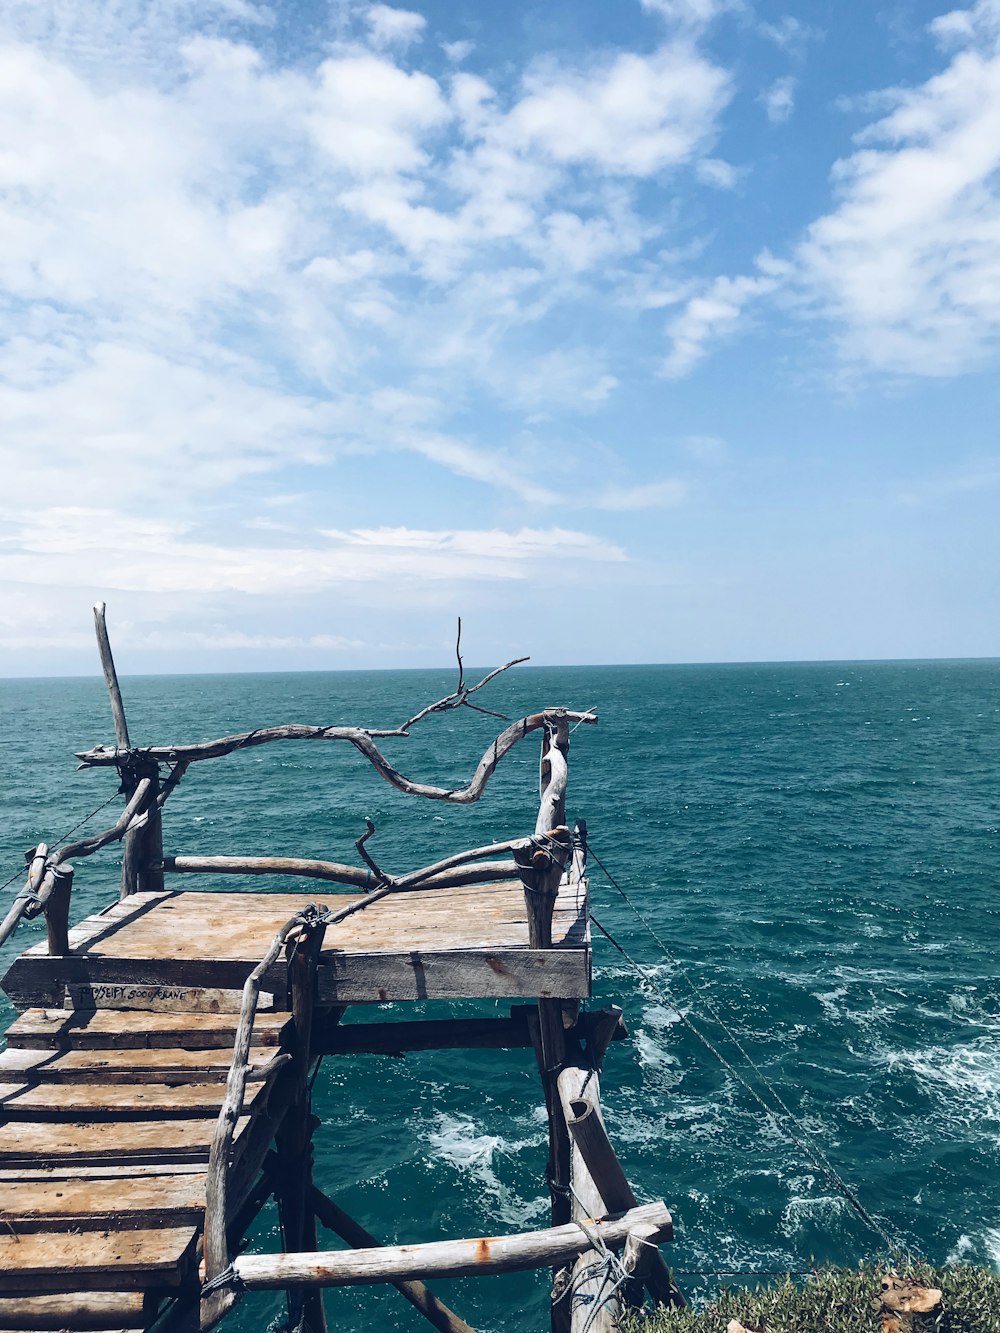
(818, 844)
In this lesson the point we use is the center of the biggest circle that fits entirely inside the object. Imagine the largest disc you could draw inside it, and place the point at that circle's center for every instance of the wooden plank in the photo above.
(97, 1261)
(369, 977)
(159, 998)
(140, 1065)
(241, 925)
(454, 974)
(148, 1140)
(62, 1171)
(105, 922)
(57, 1101)
(99, 1204)
(82, 1310)
(107, 1028)
(41, 982)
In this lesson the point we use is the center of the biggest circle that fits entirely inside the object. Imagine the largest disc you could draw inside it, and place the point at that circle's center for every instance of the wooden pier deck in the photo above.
(156, 1089)
(115, 1071)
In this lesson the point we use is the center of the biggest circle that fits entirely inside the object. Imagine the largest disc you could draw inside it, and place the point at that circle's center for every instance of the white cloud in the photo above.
(717, 173)
(691, 13)
(89, 548)
(779, 100)
(662, 494)
(394, 27)
(458, 51)
(908, 264)
(711, 315)
(636, 117)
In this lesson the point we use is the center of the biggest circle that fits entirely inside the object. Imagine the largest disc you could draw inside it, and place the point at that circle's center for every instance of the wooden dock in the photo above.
(108, 1106)
(155, 1091)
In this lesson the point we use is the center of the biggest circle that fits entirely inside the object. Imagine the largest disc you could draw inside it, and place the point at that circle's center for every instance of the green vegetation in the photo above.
(839, 1300)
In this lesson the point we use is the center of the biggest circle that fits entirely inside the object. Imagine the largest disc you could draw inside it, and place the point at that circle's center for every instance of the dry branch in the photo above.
(486, 872)
(447, 1258)
(362, 740)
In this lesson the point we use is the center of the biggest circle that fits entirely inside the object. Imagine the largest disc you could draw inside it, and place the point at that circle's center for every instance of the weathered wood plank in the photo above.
(58, 1101)
(82, 1310)
(454, 974)
(345, 978)
(108, 1028)
(140, 1065)
(99, 1204)
(160, 998)
(147, 1140)
(97, 1260)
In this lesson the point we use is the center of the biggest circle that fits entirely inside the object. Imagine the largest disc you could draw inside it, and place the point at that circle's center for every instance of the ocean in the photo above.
(816, 846)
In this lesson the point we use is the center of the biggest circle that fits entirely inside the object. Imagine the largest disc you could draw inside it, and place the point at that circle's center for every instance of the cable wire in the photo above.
(784, 1118)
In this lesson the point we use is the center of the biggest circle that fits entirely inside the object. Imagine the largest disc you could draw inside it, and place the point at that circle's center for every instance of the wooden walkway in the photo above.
(114, 1074)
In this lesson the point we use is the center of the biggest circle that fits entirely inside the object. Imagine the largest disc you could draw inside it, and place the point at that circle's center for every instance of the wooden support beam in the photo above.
(57, 910)
(449, 1034)
(605, 1187)
(342, 1224)
(448, 1258)
(294, 1137)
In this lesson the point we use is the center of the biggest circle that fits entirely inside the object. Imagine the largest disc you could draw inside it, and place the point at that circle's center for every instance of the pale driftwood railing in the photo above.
(139, 827)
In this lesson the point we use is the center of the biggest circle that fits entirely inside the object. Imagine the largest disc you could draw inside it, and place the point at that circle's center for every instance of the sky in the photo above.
(628, 330)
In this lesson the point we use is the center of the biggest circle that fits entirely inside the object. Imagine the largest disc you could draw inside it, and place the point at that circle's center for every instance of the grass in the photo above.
(838, 1300)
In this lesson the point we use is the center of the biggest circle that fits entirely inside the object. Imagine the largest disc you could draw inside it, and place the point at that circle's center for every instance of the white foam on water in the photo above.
(652, 1055)
(457, 1141)
(964, 1078)
(803, 1211)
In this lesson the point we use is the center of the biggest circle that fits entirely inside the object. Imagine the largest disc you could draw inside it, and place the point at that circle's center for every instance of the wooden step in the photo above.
(100, 1029)
(83, 1310)
(61, 1101)
(141, 1065)
(100, 1204)
(114, 1261)
(95, 1142)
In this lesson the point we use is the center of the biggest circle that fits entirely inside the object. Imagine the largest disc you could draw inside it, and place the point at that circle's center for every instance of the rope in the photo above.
(227, 1278)
(801, 1138)
(608, 1267)
(85, 820)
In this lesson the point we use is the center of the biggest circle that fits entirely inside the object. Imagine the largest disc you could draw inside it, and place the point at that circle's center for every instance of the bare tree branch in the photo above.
(362, 740)
(380, 875)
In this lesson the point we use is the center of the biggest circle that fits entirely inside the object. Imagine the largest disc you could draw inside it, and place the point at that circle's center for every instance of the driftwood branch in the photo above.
(380, 876)
(486, 872)
(447, 1258)
(363, 740)
(111, 677)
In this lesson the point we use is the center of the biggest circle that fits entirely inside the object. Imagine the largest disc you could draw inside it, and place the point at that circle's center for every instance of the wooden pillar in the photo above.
(57, 910)
(293, 1142)
(150, 867)
(601, 1184)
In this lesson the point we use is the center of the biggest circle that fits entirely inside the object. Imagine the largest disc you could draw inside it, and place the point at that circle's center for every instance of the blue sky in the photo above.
(632, 330)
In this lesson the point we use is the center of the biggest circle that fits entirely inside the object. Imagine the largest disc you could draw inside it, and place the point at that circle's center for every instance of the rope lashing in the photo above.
(227, 1278)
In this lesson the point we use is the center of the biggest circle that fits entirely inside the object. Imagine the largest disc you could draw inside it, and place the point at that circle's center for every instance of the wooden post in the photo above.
(595, 1163)
(294, 1138)
(57, 910)
(149, 876)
